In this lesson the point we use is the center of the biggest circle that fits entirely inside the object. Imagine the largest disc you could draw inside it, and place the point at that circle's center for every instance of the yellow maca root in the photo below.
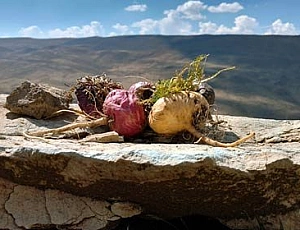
(184, 111)
(174, 113)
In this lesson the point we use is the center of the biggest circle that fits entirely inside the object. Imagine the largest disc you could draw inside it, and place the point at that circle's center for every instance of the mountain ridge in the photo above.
(264, 84)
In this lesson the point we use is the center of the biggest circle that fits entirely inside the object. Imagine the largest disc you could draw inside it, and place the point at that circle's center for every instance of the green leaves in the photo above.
(188, 79)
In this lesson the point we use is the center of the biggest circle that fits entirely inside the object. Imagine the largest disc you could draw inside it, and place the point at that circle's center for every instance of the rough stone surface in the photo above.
(6, 220)
(27, 206)
(37, 100)
(31, 208)
(256, 183)
(125, 209)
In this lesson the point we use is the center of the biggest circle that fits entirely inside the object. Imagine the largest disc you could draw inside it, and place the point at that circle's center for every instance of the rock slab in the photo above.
(37, 100)
(254, 184)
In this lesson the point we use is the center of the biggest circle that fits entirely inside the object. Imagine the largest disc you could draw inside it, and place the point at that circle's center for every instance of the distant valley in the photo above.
(265, 83)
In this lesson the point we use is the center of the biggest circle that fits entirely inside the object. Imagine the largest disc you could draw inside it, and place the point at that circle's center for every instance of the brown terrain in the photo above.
(264, 84)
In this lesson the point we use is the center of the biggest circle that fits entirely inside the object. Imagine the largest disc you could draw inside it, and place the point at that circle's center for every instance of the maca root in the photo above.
(196, 114)
(175, 105)
(185, 111)
(87, 124)
(206, 140)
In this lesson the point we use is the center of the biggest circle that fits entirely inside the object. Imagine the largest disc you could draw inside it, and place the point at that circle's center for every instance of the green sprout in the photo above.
(187, 79)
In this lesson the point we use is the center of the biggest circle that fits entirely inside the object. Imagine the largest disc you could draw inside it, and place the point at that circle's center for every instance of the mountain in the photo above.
(264, 84)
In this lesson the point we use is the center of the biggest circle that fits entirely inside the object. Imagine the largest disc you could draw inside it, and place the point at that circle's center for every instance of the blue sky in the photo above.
(85, 18)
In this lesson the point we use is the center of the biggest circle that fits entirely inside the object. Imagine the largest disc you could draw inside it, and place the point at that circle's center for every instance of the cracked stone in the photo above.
(90, 224)
(125, 209)
(66, 209)
(99, 208)
(27, 206)
(6, 220)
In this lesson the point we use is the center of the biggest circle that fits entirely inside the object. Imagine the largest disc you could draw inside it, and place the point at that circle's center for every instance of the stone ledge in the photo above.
(259, 179)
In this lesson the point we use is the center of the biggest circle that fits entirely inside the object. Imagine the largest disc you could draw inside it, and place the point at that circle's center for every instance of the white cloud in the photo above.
(136, 7)
(172, 24)
(278, 27)
(178, 21)
(93, 29)
(31, 31)
(226, 8)
(191, 10)
(175, 22)
(122, 29)
(147, 26)
(207, 28)
(243, 25)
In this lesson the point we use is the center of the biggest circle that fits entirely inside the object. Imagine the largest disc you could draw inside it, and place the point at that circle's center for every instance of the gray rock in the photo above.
(6, 220)
(125, 209)
(256, 183)
(37, 100)
(26, 207)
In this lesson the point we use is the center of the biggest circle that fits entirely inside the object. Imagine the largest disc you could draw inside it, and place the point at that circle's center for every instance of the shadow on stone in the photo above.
(149, 136)
(13, 116)
(193, 222)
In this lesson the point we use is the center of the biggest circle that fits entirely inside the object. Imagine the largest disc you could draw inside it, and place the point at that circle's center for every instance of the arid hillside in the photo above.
(265, 83)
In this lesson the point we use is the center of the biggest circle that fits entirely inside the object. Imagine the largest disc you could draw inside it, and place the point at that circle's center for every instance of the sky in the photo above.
(86, 18)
